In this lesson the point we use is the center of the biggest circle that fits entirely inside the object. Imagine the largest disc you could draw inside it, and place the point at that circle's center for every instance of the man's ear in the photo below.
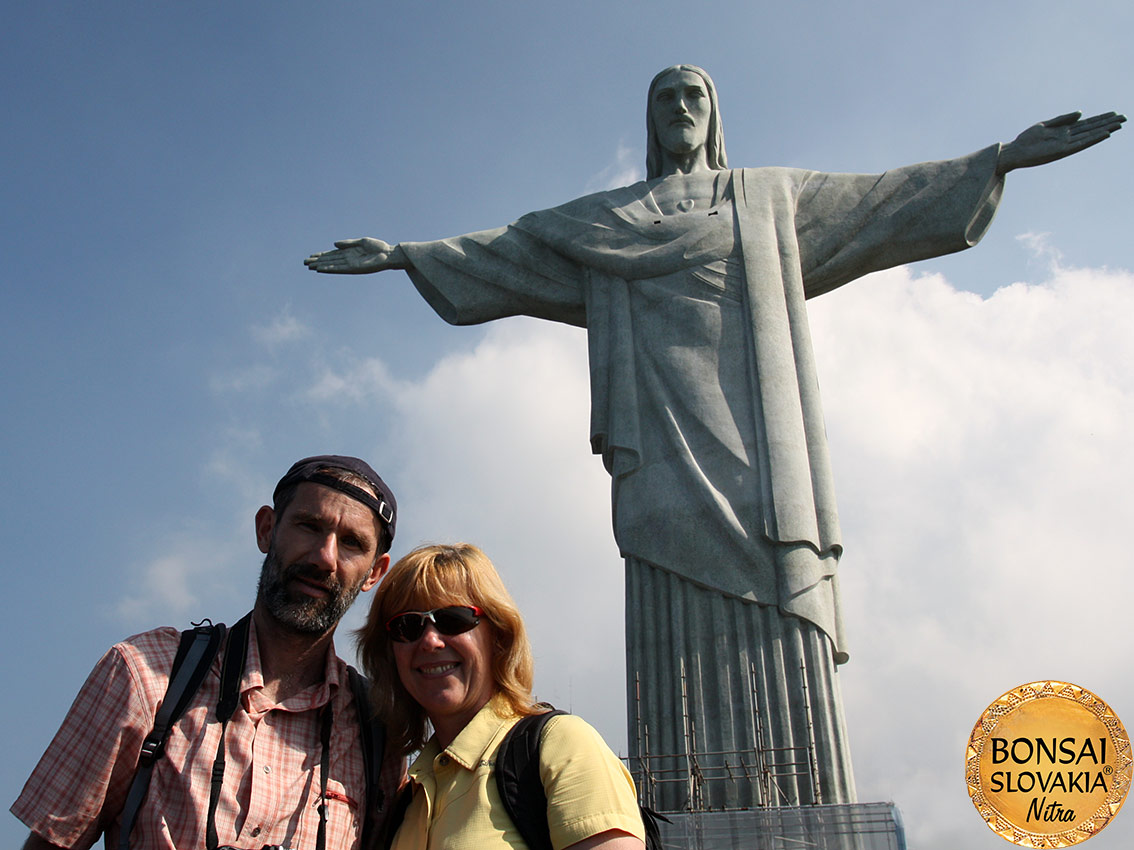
(377, 571)
(265, 522)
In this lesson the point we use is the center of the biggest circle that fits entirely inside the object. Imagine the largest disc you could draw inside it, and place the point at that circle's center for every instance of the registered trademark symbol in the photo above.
(1107, 769)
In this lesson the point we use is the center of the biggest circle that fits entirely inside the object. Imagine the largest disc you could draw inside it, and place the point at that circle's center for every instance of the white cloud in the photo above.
(982, 469)
(164, 582)
(627, 168)
(1041, 248)
(367, 379)
(195, 574)
(284, 328)
(201, 567)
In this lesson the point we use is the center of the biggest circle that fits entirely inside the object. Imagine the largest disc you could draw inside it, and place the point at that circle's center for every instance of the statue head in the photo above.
(714, 142)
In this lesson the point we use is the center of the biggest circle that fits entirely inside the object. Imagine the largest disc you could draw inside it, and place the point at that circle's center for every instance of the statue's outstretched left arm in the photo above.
(1056, 138)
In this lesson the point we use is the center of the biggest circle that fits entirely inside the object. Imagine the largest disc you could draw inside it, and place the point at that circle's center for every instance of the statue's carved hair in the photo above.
(714, 145)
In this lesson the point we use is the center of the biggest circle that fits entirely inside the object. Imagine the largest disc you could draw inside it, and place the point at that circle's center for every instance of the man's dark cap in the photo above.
(308, 469)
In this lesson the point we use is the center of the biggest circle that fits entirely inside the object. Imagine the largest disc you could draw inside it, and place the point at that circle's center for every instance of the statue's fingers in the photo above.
(1063, 120)
(333, 260)
(1107, 121)
(1084, 142)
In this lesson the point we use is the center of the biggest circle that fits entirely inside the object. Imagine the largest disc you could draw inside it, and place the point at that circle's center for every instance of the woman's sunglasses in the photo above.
(450, 620)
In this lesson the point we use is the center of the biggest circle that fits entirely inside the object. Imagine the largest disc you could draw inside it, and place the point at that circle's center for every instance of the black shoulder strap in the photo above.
(232, 669)
(650, 820)
(372, 736)
(518, 779)
(194, 657)
(521, 788)
(395, 816)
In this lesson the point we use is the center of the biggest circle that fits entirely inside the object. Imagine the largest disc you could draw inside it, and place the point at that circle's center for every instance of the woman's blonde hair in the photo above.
(432, 577)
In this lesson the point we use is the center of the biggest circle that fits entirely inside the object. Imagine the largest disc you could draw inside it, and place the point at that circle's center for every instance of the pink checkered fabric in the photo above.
(271, 784)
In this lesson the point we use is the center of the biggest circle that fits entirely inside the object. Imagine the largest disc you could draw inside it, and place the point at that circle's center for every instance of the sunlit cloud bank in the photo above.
(983, 468)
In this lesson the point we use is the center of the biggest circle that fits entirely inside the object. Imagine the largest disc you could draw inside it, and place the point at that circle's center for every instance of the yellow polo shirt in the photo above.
(456, 806)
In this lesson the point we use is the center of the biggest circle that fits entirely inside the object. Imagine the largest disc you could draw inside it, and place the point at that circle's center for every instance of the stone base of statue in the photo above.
(854, 826)
(732, 704)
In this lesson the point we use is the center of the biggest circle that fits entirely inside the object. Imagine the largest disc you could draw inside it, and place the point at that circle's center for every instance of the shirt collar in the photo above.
(473, 743)
(316, 696)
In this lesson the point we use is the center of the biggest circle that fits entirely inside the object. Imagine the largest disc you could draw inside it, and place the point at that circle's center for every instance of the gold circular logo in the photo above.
(1048, 765)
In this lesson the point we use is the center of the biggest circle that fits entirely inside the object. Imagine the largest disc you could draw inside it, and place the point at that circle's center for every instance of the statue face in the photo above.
(680, 110)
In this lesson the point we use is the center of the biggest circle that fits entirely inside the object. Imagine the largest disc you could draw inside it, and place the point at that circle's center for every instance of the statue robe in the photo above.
(705, 406)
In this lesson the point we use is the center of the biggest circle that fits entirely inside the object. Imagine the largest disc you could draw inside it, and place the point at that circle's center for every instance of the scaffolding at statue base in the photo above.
(772, 824)
(843, 826)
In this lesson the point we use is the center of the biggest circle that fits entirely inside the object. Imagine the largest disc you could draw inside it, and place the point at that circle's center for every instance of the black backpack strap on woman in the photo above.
(521, 789)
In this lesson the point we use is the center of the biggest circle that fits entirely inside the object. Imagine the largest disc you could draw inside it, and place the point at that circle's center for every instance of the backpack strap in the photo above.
(395, 816)
(194, 657)
(650, 820)
(232, 668)
(521, 788)
(519, 782)
(372, 736)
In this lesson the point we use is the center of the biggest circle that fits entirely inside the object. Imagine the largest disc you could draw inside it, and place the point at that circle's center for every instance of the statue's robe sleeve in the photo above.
(496, 273)
(848, 225)
(805, 233)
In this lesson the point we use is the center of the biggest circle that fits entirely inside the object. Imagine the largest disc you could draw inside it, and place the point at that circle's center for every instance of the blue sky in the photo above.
(166, 355)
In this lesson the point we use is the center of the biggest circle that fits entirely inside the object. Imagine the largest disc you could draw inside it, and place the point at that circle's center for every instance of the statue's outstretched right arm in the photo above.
(359, 256)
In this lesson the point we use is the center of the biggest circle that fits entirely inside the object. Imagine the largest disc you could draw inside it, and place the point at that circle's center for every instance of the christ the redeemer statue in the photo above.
(705, 404)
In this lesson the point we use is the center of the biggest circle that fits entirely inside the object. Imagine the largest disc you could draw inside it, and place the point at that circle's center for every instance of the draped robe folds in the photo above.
(704, 397)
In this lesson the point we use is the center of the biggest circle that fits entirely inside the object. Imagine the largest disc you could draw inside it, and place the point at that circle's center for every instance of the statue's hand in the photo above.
(1050, 140)
(358, 256)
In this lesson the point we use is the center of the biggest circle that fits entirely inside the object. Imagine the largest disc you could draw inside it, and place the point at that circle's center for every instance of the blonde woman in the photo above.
(446, 648)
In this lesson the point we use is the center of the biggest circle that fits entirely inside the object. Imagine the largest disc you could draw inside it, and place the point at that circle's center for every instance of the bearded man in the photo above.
(290, 759)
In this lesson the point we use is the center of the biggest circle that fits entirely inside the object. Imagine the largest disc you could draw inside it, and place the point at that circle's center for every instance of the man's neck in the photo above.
(290, 661)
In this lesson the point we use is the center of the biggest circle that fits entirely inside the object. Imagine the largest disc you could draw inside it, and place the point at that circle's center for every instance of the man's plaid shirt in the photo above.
(271, 783)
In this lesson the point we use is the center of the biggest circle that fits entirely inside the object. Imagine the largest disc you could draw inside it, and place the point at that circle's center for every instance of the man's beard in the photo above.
(295, 610)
